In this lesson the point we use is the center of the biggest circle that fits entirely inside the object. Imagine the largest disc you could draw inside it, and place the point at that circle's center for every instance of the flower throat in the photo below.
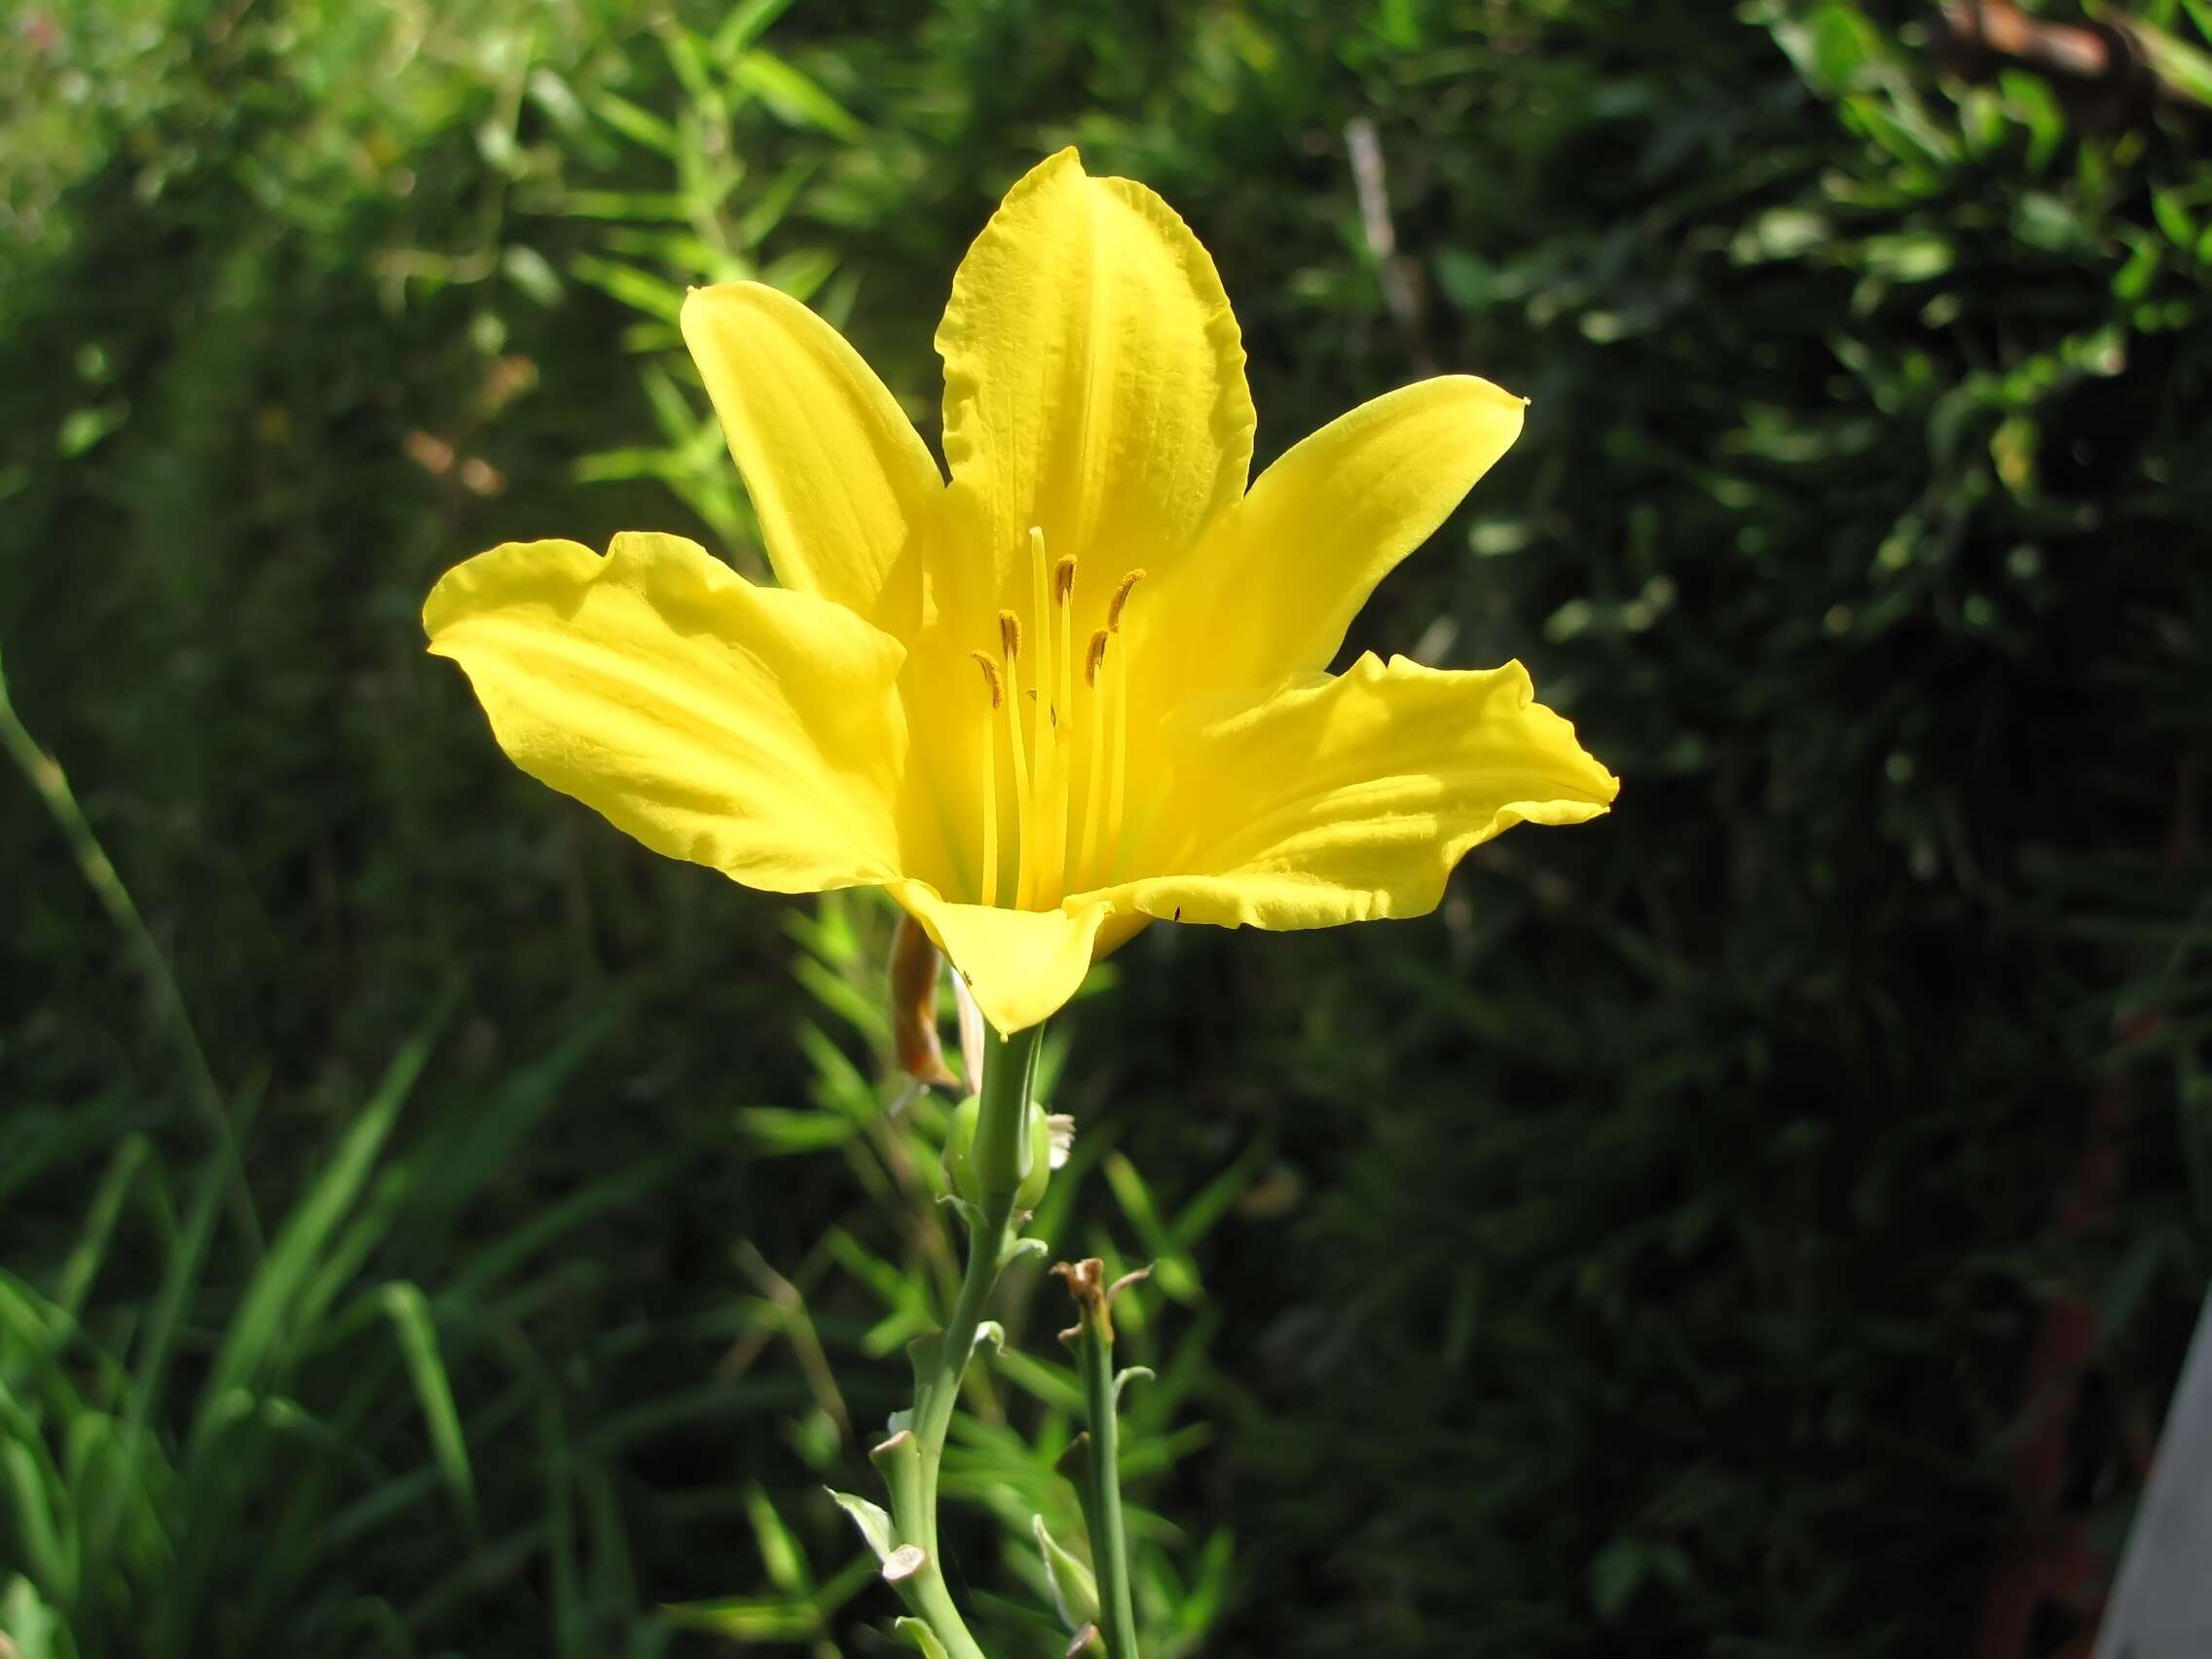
(1070, 766)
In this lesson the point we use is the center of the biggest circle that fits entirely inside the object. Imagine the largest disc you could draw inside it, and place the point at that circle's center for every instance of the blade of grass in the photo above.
(100, 1224)
(51, 784)
(259, 1326)
(417, 1333)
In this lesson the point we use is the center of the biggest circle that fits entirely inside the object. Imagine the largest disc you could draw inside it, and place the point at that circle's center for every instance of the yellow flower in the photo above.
(1080, 688)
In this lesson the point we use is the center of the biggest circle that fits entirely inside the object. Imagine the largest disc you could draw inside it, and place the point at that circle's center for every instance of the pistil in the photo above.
(1063, 719)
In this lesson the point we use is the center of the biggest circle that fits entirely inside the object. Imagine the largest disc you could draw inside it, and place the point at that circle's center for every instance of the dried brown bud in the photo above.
(1093, 1297)
(914, 964)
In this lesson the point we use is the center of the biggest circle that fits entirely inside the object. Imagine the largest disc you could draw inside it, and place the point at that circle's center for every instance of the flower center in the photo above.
(1068, 748)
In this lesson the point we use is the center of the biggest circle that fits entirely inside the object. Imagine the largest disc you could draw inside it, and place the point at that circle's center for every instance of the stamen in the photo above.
(1063, 579)
(1038, 853)
(1093, 797)
(990, 677)
(1010, 637)
(1121, 719)
(1119, 601)
(1042, 682)
(988, 884)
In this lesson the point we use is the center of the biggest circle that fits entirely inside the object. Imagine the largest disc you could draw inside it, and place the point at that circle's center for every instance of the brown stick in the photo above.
(2104, 69)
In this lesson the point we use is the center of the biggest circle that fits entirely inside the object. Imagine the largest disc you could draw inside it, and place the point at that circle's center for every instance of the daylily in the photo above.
(1078, 689)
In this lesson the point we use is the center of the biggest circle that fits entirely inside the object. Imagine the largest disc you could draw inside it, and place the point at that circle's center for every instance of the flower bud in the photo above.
(1049, 1137)
(1075, 1589)
(959, 1152)
(1031, 1192)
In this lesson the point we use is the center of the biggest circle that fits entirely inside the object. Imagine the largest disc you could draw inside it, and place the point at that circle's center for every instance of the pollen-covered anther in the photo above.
(1094, 659)
(990, 678)
(1120, 599)
(1063, 579)
(1010, 634)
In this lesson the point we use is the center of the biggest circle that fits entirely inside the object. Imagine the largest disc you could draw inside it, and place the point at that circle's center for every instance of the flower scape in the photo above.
(1078, 687)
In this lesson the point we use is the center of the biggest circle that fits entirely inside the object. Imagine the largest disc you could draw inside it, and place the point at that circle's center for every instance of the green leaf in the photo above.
(791, 95)
(777, 1131)
(920, 1637)
(745, 1618)
(781, 1557)
(1129, 1374)
(874, 1521)
(1615, 1577)
(257, 1332)
(640, 291)
(743, 26)
(83, 427)
(2173, 217)
(525, 268)
(100, 1224)
(410, 1314)
(638, 124)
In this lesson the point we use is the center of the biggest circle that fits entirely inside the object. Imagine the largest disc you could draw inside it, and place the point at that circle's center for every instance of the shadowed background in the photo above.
(1765, 1222)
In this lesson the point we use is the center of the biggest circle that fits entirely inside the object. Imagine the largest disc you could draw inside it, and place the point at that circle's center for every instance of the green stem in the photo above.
(1109, 1543)
(45, 775)
(1001, 1150)
(1001, 1122)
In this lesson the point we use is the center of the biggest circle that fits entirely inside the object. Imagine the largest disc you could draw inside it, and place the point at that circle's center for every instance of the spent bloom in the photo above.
(1081, 686)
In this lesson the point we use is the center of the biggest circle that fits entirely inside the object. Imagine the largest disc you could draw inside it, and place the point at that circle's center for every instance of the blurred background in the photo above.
(1765, 1222)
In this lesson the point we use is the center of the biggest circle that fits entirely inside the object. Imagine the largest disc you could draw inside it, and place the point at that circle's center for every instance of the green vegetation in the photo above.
(428, 1223)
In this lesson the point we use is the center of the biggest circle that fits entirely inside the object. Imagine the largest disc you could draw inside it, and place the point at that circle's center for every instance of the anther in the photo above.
(990, 677)
(1092, 661)
(1121, 599)
(1010, 634)
(1063, 579)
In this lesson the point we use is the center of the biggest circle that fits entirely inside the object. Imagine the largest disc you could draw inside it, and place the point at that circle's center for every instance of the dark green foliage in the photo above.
(1643, 1256)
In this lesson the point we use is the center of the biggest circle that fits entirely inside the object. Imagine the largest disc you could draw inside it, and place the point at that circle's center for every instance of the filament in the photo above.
(1093, 797)
(1051, 852)
(1120, 718)
(1009, 640)
(989, 882)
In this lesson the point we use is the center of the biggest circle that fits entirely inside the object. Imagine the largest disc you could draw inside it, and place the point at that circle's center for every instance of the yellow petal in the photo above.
(1280, 577)
(1022, 965)
(752, 729)
(1094, 383)
(1350, 799)
(844, 489)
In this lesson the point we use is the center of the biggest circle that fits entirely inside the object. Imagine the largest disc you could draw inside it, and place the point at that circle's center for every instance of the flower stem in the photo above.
(1109, 1543)
(911, 1469)
(1002, 1123)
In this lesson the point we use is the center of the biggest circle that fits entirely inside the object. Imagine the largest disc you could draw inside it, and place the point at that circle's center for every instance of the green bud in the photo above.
(1031, 1192)
(1075, 1591)
(959, 1151)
